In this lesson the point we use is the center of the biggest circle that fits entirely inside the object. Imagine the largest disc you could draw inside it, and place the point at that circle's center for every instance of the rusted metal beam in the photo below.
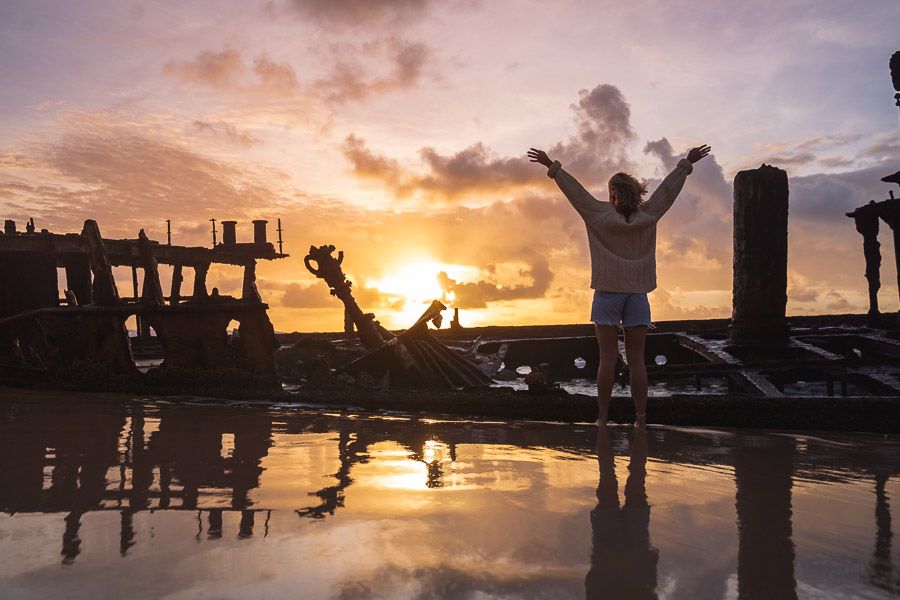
(125, 252)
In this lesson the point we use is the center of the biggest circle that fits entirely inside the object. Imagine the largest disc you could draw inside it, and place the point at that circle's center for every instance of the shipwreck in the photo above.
(45, 337)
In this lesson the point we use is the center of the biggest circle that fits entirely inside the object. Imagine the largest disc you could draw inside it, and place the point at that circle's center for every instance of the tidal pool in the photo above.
(112, 498)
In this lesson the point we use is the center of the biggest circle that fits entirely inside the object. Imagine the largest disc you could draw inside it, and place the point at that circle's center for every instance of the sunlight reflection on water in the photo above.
(149, 499)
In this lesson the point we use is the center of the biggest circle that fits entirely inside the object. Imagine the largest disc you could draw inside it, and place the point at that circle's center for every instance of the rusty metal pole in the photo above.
(890, 214)
(866, 220)
(280, 249)
(759, 294)
(137, 318)
(329, 268)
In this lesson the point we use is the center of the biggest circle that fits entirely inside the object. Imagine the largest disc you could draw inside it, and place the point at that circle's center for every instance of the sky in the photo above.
(397, 130)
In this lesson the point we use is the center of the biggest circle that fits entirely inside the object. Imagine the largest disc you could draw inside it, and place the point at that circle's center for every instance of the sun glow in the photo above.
(415, 284)
(415, 281)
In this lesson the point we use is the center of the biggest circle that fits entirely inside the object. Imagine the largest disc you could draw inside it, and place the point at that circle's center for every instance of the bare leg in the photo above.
(608, 339)
(635, 341)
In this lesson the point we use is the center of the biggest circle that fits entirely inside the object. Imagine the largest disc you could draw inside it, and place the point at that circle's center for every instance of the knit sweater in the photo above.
(623, 251)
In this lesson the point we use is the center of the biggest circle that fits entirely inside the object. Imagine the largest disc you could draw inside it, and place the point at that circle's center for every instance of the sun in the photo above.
(415, 281)
(414, 285)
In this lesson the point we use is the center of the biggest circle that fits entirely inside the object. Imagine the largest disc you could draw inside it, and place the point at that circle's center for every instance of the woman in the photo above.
(622, 239)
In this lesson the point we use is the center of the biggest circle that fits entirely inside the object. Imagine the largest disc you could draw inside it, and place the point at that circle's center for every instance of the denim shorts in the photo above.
(614, 308)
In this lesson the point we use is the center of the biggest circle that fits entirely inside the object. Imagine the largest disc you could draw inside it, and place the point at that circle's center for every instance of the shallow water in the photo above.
(146, 499)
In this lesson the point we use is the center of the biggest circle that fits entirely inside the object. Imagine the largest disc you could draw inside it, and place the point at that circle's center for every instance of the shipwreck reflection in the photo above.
(763, 473)
(71, 460)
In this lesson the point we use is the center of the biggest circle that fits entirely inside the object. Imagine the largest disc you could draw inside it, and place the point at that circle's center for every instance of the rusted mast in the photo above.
(866, 220)
(329, 268)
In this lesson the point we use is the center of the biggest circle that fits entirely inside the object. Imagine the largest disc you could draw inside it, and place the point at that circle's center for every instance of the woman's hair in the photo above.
(626, 193)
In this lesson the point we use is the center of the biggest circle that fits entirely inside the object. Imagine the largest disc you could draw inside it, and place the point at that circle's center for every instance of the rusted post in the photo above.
(138, 320)
(105, 292)
(329, 268)
(759, 295)
(259, 231)
(348, 321)
(152, 292)
(200, 272)
(866, 220)
(229, 235)
(249, 293)
(177, 279)
(280, 240)
(889, 211)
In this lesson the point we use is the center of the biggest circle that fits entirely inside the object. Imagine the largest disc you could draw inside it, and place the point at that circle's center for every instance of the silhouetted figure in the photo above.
(71, 543)
(622, 239)
(214, 531)
(126, 531)
(245, 529)
(623, 563)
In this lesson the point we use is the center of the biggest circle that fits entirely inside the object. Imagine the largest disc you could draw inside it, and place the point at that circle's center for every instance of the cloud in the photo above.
(227, 70)
(479, 293)
(884, 148)
(829, 141)
(596, 151)
(308, 296)
(799, 158)
(808, 152)
(216, 69)
(695, 236)
(828, 196)
(604, 133)
(227, 132)
(276, 78)
(838, 302)
(354, 72)
(366, 164)
(799, 288)
(666, 308)
(359, 13)
(141, 172)
(350, 79)
(835, 161)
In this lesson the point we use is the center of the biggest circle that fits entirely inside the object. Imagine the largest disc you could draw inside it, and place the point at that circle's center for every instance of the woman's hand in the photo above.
(539, 156)
(697, 153)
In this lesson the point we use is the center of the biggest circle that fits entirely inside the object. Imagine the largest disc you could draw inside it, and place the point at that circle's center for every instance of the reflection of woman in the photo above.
(622, 239)
(623, 564)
